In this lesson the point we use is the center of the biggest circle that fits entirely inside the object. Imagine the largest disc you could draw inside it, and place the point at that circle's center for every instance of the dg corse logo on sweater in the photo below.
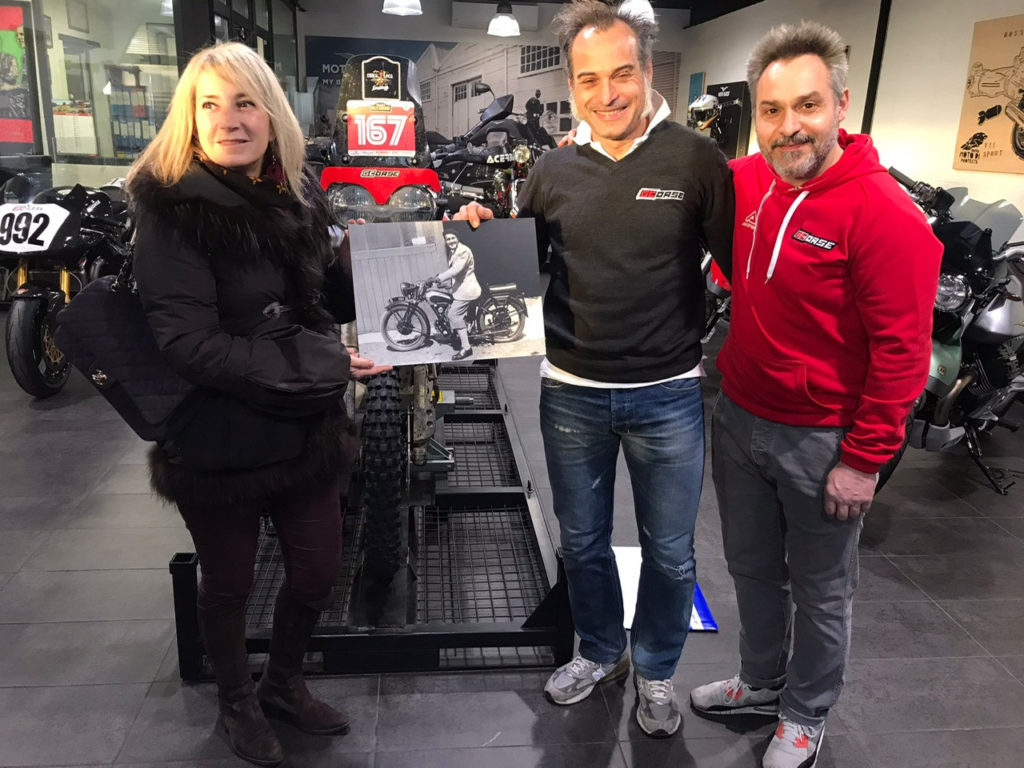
(653, 193)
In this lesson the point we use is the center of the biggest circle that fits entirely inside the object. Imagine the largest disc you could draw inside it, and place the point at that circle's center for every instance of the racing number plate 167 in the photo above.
(381, 128)
(26, 227)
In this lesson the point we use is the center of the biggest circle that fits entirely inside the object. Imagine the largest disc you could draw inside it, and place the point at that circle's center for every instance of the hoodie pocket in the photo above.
(773, 384)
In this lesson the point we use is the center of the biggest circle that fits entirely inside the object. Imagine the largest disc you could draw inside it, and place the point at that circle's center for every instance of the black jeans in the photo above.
(308, 525)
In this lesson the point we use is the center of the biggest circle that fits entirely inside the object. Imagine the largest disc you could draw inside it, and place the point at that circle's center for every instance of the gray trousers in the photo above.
(782, 551)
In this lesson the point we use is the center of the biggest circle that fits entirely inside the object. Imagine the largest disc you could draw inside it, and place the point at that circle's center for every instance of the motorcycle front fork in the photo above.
(64, 278)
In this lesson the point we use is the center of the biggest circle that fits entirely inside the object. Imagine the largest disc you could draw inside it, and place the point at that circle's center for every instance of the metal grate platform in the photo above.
(482, 589)
(474, 381)
(259, 611)
(483, 455)
(477, 564)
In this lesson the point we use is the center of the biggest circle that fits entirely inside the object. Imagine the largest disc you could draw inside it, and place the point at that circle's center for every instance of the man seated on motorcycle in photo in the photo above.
(240, 274)
(465, 290)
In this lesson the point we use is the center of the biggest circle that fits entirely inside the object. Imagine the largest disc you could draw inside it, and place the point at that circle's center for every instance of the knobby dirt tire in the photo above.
(384, 465)
(27, 337)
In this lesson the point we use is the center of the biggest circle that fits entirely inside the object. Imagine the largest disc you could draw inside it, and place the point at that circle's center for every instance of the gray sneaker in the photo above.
(656, 709)
(576, 680)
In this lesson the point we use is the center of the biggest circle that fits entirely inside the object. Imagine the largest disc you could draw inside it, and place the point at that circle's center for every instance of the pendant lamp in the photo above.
(504, 23)
(402, 8)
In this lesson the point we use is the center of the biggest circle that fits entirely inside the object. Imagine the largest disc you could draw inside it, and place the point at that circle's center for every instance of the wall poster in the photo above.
(19, 125)
(991, 133)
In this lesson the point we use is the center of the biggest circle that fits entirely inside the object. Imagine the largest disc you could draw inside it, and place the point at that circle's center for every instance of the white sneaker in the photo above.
(794, 745)
(734, 697)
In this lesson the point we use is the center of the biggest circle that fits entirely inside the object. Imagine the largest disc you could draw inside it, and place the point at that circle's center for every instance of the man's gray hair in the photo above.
(786, 42)
(580, 14)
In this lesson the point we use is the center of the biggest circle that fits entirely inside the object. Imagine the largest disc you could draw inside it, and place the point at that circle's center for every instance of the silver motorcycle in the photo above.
(977, 366)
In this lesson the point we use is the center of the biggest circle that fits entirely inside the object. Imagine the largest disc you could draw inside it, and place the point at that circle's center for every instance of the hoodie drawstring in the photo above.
(757, 222)
(782, 230)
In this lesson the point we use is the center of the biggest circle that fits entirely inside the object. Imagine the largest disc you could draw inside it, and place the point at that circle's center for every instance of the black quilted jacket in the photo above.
(242, 299)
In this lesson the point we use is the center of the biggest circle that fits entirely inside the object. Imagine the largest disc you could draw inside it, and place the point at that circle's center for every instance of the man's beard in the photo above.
(809, 166)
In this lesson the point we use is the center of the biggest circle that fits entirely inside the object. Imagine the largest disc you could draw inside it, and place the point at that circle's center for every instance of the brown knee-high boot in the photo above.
(249, 733)
(282, 691)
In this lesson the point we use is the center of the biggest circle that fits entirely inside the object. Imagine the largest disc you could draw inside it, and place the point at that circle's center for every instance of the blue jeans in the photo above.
(661, 431)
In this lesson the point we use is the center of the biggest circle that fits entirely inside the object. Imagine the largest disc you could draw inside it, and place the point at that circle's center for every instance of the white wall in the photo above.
(921, 93)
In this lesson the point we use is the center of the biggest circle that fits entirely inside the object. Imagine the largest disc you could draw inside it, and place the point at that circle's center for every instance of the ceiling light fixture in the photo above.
(402, 8)
(504, 23)
(639, 8)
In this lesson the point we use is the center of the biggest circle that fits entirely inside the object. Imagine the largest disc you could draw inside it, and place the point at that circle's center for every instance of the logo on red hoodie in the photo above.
(803, 236)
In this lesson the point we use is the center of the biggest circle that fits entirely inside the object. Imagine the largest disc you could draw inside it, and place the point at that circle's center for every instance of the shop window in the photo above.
(112, 69)
(538, 58)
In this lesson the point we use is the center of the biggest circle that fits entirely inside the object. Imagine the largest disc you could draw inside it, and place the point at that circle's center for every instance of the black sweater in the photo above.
(626, 299)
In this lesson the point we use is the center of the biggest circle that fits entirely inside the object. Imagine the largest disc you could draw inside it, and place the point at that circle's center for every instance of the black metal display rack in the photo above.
(483, 587)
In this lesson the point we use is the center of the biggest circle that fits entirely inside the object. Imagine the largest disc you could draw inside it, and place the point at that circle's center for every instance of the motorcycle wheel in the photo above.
(502, 320)
(384, 462)
(37, 365)
(1017, 141)
(405, 328)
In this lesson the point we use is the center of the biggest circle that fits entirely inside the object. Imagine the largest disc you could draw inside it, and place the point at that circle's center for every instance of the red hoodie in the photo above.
(833, 288)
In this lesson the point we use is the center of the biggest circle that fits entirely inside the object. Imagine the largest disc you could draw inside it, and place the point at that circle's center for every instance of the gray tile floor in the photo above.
(88, 672)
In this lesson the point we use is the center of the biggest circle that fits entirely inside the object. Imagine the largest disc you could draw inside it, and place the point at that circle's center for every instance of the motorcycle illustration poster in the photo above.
(434, 292)
(991, 133)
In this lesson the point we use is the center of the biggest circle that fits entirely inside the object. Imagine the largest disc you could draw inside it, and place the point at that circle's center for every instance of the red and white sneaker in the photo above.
(734, 697)
(794, 745)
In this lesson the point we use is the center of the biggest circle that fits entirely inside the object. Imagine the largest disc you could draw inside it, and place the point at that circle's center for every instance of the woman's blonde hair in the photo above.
(170, 152)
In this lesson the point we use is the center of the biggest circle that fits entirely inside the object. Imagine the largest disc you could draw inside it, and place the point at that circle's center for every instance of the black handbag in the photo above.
(105, 335)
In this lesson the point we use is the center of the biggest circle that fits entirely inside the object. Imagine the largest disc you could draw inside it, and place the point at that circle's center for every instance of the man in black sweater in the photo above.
(625, 211)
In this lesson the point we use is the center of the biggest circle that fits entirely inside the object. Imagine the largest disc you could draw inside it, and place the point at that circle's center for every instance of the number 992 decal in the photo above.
(26, 227)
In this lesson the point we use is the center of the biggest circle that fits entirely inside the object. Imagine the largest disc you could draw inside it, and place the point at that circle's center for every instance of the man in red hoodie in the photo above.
(834, 277)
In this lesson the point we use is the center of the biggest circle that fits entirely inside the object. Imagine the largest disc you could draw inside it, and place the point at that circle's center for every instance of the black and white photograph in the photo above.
(433, 292)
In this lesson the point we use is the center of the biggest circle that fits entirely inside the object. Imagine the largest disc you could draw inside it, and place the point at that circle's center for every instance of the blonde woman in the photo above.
(239, 271)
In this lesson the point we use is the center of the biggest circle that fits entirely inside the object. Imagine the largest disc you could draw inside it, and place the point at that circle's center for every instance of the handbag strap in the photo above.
(125, 279)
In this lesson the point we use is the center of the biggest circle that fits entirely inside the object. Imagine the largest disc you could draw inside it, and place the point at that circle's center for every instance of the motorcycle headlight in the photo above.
(408, 289)
(522, 154)
(352, 202)
(953, 293)
(411, 204)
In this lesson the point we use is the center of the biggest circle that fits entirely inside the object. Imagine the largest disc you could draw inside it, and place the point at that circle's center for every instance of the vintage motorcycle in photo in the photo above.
(977, 368)
(499, 315)
(61, 239)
